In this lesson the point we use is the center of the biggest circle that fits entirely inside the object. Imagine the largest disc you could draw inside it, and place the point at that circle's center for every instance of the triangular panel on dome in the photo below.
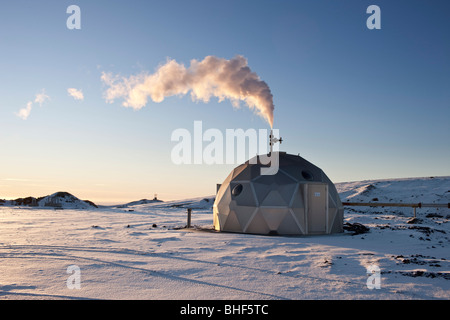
(244, 214)
(273, 217)
(264, 179)
(337, 223)
(274, 199)
(299, 214)
(287, 191)
(232, 223)
(258, 225)
(261, 190)
(297, 200)
(331, 202)
(282, 179)
(223, 206)
(289, 225)
(222, 218)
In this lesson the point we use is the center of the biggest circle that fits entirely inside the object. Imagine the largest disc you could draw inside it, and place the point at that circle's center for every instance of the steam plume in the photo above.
(212, 77)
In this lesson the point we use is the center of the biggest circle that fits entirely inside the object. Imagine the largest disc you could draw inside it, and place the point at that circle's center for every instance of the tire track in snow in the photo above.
(52, 249)
(166, 275)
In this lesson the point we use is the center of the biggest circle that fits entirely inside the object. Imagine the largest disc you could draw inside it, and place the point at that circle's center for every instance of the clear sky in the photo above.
(358, 103)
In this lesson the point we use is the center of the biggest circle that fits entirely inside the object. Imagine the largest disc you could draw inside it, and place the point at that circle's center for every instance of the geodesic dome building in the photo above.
(298, 200)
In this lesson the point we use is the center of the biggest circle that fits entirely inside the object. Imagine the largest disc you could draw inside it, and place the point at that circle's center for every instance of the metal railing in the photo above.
(387, 204)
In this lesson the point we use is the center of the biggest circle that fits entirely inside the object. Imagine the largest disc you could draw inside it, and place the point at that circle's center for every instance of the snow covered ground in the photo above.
(140, 252)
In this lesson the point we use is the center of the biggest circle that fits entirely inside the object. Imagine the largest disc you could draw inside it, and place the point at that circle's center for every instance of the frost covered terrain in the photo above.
(141, 251)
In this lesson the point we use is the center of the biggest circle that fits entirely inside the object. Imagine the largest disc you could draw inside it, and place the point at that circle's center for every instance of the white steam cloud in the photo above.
(75, 93)
(212, 77)
(39, 98)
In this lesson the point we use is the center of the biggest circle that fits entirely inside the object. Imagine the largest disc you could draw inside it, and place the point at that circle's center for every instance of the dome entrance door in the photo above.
(317, 207)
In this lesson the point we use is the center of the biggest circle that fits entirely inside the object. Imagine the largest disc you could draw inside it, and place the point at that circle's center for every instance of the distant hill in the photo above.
(144, 204)
(57, 200)
(138, 202)
(407, 190)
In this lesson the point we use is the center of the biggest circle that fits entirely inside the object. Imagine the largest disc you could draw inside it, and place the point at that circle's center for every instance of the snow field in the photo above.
(142, 254)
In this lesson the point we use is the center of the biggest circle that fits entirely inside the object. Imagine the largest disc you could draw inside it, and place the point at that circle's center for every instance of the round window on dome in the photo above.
(307, 175)
(237, 190)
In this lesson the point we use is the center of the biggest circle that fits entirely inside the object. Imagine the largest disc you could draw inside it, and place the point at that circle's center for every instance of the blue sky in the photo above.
(359, 103)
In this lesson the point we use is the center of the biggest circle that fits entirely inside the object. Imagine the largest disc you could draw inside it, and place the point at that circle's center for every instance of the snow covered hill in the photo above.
(410, 190)
(193, 203)
(142, 251)
(57, 200)
(65, 200)
(137, 202)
